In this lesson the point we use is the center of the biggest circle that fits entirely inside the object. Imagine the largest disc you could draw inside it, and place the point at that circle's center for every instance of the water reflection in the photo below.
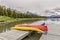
(49, 21)
(6, 27)
(54, 19)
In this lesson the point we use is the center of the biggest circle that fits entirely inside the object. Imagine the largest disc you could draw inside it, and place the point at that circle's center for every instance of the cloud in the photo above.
(38, 6)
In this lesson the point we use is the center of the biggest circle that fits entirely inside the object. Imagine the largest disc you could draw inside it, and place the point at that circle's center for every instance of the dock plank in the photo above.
(14, 35)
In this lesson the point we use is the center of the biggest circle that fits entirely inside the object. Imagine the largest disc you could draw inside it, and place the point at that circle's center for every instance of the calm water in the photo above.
(35, 36)
(6, 27)
(50, 21)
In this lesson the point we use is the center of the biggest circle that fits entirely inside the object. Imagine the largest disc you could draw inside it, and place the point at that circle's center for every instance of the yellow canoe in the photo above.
(21, 27)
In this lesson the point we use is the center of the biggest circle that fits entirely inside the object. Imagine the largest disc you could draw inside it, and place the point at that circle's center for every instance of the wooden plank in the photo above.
(50, 37)
(14, 35)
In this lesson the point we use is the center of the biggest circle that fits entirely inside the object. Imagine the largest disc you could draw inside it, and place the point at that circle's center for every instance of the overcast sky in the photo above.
(38, 6)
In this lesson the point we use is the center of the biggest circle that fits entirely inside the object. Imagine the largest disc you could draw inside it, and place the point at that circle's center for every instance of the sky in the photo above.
(35, 6)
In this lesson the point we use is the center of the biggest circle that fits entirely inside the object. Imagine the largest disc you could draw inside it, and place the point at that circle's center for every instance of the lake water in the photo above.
(49, 22)
(7, 27)
(53, 28)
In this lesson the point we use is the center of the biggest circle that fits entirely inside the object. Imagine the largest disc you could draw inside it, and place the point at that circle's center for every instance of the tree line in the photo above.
(13, 13)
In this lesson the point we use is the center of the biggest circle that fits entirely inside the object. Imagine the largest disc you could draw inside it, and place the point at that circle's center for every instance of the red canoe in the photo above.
(32, 27)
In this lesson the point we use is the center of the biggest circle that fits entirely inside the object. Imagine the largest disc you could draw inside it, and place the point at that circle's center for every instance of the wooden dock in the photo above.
(53, 33)
(14, 35)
